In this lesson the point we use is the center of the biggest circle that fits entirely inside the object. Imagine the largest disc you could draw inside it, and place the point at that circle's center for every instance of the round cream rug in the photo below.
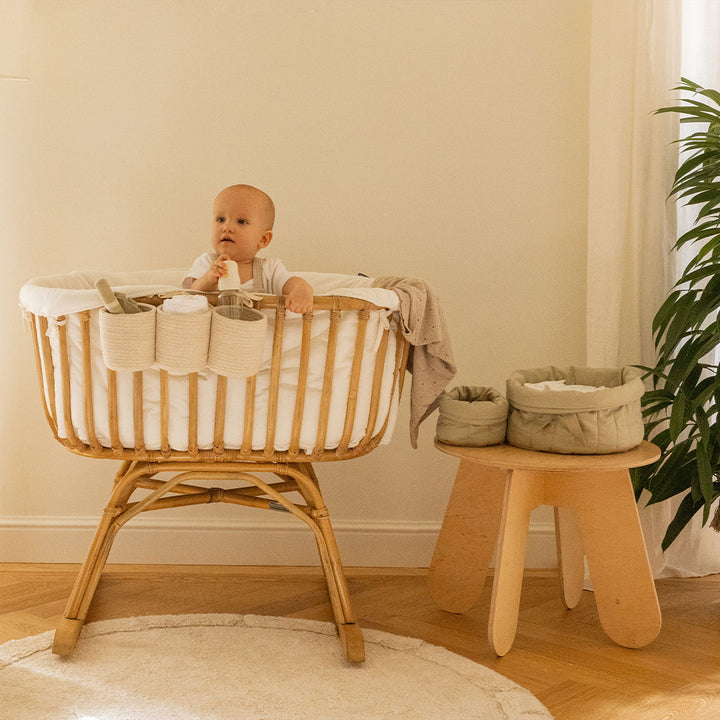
(248, 667)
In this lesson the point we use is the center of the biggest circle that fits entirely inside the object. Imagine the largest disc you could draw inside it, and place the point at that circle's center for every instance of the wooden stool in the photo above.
(495, 490)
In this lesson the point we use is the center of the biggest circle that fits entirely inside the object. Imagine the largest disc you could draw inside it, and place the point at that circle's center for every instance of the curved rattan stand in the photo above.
(179, 492)
(196, 468)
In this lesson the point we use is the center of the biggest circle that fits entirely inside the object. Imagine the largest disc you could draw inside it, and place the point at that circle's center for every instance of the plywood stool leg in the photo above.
(468, 537)
(523, 494)
(571, 557)
(617, 558)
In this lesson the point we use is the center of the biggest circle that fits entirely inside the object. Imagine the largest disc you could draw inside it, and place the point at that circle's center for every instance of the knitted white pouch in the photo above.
(182, 340)
(128, 340)
(237, 340)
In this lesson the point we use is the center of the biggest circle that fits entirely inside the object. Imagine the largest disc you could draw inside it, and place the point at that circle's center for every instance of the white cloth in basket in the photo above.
(560, 385)
(185, 304)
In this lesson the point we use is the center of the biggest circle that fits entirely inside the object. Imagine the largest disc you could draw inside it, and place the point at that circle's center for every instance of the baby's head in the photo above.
(243, 219)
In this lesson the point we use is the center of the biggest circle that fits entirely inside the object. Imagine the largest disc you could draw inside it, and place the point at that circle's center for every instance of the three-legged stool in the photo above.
(596, 516)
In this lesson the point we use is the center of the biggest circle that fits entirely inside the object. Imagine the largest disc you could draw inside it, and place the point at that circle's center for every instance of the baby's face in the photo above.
(240, 224)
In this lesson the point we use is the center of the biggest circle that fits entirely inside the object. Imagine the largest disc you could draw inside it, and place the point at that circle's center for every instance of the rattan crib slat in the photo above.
(43, 364)
(220, 404)
(138, 411)
(193, 413)
(49, 374)
(402, 352)
(113, 412)
(377, 384)
(65, 380)
(164, 412)
(249, 419)
(327, 380)
(274, 380)
(87, 380)
(363, 316)
(302, 383)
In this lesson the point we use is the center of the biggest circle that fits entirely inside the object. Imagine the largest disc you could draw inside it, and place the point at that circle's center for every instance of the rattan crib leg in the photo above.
(68, 630)
(352, 642)
(78, 605)
(66, 636)
(330, 557)
(349, 630)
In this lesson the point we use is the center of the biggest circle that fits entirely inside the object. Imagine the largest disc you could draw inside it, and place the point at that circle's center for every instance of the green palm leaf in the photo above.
(681, 409)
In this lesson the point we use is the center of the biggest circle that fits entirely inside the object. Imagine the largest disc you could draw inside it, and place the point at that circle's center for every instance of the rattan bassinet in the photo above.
(327, 390)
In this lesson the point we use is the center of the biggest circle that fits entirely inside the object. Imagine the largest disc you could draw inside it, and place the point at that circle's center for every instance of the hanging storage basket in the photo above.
(237, 341)
(599, 412)
(183, 340)
(472, 417)
(128, 340)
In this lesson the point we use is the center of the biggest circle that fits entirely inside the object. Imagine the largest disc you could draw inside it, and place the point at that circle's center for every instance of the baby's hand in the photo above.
(208, 282)
(298, 295)
(218, 269)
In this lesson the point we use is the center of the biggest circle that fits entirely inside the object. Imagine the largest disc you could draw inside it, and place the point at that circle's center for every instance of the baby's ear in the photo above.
(266, 238)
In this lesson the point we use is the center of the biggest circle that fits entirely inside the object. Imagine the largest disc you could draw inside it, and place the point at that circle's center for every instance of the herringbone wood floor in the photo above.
(562, 656)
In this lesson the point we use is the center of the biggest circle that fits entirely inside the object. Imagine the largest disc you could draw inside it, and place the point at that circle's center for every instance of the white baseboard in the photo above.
(283, 541)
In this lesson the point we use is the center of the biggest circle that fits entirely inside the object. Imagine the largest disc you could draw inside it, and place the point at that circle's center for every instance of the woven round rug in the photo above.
(248, 667)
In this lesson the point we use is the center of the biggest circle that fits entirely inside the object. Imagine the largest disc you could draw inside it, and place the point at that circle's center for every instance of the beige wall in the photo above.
(435, 138)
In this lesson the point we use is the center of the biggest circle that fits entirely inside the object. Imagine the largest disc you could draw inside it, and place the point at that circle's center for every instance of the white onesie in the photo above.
(271, 279)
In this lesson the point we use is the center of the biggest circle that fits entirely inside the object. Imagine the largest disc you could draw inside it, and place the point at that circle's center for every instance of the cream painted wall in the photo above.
(441, 139)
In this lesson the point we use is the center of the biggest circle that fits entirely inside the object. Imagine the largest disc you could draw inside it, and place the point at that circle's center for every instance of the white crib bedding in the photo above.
(53, 298)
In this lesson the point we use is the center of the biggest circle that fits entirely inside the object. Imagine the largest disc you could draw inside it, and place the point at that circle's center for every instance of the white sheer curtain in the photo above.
(635, 59)
(640, 49)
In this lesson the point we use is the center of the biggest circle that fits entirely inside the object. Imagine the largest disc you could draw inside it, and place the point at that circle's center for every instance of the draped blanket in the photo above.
(431, 360)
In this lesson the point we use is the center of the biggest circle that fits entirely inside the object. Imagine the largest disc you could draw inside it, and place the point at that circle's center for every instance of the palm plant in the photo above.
(681, 409)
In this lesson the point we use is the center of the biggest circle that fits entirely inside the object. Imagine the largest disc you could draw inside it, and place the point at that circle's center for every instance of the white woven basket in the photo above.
(182, 341)
(237, 341)
(128, 340)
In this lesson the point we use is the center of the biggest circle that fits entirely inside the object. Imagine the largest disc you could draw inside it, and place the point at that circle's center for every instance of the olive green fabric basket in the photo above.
(573, 422)
(472, 417)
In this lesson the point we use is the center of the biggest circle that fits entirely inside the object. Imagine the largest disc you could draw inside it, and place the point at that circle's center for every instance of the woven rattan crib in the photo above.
(327, 390)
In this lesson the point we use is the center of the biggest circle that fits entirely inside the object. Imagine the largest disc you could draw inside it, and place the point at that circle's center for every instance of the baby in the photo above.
(243, 219)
